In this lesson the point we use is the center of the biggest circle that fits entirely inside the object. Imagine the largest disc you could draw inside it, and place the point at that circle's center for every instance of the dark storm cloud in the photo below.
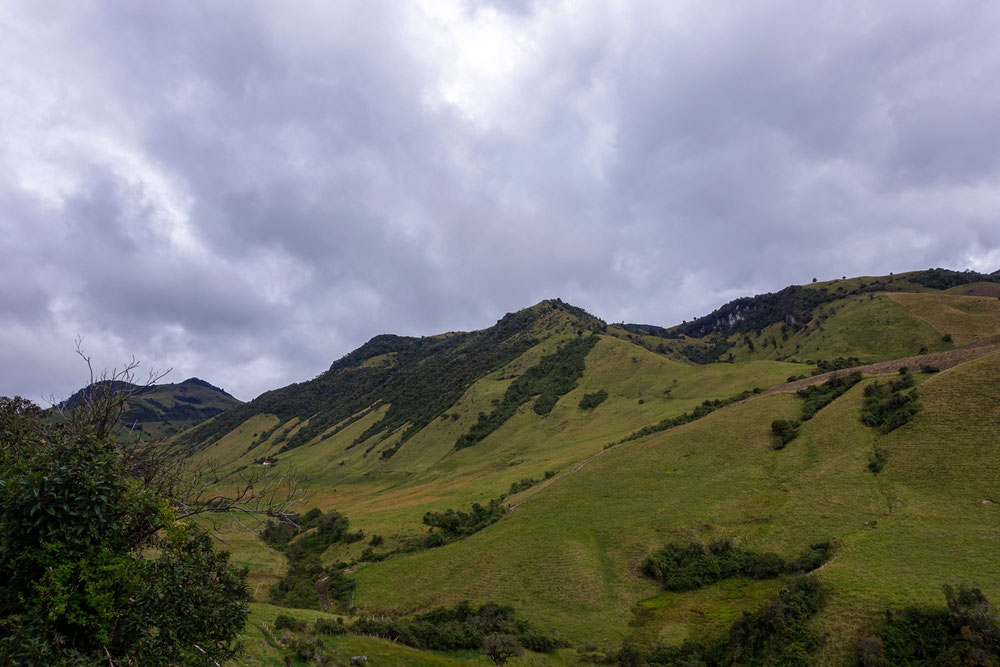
(246, 191)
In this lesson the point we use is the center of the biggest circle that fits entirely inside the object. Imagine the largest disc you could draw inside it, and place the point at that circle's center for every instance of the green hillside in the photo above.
(536, 420)
(162, 410)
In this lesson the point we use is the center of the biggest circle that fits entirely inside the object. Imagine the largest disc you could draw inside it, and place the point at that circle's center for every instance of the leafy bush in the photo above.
(877, 458)
(776, 634)
(555, 375)
(684, 567)
(326, 626)
(462, 627)
(523, 485)
(95, 567)
(297, 588)
(838, 364)
(591, 401)
(964, 633)
(818, 397)
(784, 432)
(886, 407)
(456, 524)
(286, 622)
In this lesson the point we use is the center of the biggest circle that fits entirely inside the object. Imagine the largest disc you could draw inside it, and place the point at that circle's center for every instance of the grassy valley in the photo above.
(538, 465)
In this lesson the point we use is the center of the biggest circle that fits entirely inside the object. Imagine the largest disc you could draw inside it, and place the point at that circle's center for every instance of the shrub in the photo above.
(462, 627)
(778, 633)
(886, 407)
(459, 524)
(286, 622)
(326, 626)
(591, 401)
(965, 632)
(92, 556)
(554, 376)
(877, 458)
(818, 397)
(687, 566)
(784, 431)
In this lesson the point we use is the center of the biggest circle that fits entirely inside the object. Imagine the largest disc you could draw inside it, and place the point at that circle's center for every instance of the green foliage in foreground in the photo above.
(461, 627)
(93, 566)
(685, 567)
(965, 633)
(776, 634)
(552, 377)
(818, 397)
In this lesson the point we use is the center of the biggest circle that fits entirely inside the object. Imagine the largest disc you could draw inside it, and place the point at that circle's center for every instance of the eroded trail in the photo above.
(943, 360)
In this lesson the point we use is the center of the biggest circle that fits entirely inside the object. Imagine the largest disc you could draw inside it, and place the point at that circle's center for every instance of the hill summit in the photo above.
(647, 484)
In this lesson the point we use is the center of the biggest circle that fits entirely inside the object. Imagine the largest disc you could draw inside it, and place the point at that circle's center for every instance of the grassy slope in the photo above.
(261, 644)
(968, 319)
(390, 497)
(568, 557)
(871, 327)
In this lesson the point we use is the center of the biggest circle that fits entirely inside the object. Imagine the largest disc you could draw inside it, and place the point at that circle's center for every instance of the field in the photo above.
(567, 556)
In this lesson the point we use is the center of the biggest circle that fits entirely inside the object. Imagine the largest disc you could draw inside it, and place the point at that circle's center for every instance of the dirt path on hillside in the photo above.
(549, 482)
(943, 360)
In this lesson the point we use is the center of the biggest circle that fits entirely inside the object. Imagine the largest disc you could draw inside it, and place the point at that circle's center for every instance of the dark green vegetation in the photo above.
(461, 627)
(886, 406)
(94, 566)
(455, 524)
(591, 401)
(687, 566)
(706, 408)
(567, 554)
(943, 279)
(395, 371)
(964, 633)
(778, 633)
(160, 410)
(553, 376)
(794, 305)
(838, 364)
(817, 397)
(784, 431)
(303, 545)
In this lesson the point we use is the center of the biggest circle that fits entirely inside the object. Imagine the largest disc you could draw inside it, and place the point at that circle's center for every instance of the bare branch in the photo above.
(100, 405)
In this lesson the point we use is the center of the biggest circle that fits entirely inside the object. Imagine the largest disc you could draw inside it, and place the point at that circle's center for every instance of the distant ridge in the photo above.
(161, 410)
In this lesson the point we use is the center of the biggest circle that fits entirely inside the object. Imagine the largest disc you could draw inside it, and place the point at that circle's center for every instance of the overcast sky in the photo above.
(246, 191)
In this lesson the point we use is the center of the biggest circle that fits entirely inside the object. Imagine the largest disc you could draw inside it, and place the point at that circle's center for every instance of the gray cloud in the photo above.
(247, 191)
